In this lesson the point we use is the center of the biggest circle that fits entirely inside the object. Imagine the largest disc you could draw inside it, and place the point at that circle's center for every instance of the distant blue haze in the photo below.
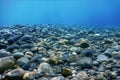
(84, 12)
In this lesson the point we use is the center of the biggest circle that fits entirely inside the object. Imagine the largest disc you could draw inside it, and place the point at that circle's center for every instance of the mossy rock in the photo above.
(66, 72)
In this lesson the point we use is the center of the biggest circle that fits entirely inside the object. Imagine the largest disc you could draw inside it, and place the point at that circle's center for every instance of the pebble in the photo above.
(18, 55)
(45, 68)
(6, 63)
(66, 72)
(82, 75)
(22, 61)
(102, 58)
(29, 75)
(16, 74)
(85, 62)
(58, 78)
(4, 53)
(88, 52)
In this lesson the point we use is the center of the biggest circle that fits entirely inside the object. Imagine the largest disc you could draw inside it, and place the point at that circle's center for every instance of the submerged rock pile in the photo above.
(59, 52)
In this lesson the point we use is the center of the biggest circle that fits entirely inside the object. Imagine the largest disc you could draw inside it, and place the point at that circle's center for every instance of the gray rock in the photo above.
(101, 58)
(75, 49)
(101, 68)
(116, 55)
(85, 62)
(18, 55)
(13, 39)
(58, 78)
(16, 74)
(4, 53)
(6, 63)
(29, 75)
(26, 38)
(26, 46)
(22, 61)
(88, 52)
(45, 68)
(13, 47)
(82, 75)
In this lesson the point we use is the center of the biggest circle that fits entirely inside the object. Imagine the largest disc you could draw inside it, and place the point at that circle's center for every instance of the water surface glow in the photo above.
(59, 12)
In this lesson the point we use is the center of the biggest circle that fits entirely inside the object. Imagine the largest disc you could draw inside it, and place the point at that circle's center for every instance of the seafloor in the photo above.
(59, 52)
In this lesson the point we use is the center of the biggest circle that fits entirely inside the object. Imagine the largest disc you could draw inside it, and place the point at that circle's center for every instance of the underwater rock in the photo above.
(13, 39)
(26, 46)
(108, 41)
(6, 63)
(88, 52)
(116, 55)
(82, 75)
(63, 41)
(29, 54)
(102, 57)
(3, 45)
(75, 49)
(45, 68)
(29, 75)
(83, 43)
(54, 60)
(36, 58)
(18, 55)
(13, 47)
(22, 61)
(4, 53)
(66, 72)
(16, 74)
(72, 41)
(26, 38)
(85, 62)
(58, 78)
(101, 68)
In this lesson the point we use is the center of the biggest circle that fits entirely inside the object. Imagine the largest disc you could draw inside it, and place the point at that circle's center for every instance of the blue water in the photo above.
(84, 12)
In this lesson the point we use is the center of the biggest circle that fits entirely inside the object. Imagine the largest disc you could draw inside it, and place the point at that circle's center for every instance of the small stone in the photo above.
(45, 68)
(18, 55)
(116, 55)
(102, 58)
(26, 38)
(66, 72)
(84, 43)
(88, 52)
(108, 41)
(75, 49)
(58, 78)
(22, 61)
(16, 74)
(13, 47)
(26, 46)
(36, 58)
(101, 68)
(54, 60)
(12, 40)
(29, 75)
(82, 75)
(95, 63)
(3, 45)
(6, 63)
(63, 41)
(4, 53)
(85, 62)
(28, 54)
